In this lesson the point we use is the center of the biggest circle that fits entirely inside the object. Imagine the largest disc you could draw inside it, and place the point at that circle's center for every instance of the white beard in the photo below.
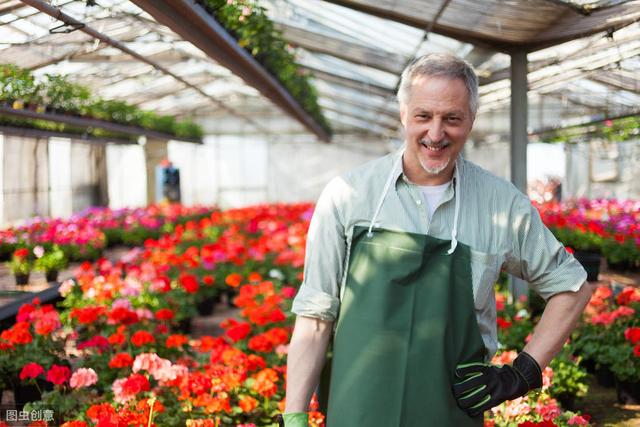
(435, 170)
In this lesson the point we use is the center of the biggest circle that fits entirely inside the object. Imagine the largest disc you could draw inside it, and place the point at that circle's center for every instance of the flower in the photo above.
(141, 338)
(636, 351)
(83, 377)
(247, 403)
(579, 420)
(121, 360)
(632, 335)
(31, 370)
(233, 280)
(58, 374)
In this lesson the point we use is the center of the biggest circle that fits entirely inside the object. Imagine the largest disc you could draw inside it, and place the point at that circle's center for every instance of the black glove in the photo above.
(484, 386)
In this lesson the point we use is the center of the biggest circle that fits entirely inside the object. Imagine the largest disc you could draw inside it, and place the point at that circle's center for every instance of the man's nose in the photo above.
(436, 130)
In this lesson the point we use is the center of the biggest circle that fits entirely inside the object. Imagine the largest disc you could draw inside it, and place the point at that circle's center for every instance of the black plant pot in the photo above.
(22, 279)
(605, 377)
(628, 392)
(52, 276)
(591, 263)
(28, 392)
(206, 306)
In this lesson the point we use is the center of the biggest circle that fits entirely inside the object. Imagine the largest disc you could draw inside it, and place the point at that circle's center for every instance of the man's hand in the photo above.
(484, 386)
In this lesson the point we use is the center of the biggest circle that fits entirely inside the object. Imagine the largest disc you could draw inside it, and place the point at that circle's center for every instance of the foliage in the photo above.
(50, 260)
(569, 378)
(19, 88)
(249, 24)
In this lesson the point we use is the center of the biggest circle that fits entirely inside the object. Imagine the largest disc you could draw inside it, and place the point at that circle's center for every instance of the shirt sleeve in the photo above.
(318, 295)
(539, 258)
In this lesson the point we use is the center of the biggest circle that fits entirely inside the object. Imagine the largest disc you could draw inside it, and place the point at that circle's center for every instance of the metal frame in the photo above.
(195, 24)
(95, 123)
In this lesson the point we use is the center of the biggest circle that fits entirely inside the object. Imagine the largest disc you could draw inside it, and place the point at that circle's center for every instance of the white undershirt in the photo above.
(432, 195)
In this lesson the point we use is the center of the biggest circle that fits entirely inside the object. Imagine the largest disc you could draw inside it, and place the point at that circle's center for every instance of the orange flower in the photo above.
(176, 340)
(265, 382)
(247, 403)
(233, 280)
(254, 277)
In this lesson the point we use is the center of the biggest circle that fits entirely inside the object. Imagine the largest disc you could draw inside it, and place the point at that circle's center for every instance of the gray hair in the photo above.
(440, 65)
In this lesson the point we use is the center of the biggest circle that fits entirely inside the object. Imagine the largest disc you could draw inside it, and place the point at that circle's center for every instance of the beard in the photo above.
(438, 168)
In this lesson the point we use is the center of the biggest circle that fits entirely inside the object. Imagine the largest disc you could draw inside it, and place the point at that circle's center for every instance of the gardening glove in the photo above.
(484, 386)
(294, 419)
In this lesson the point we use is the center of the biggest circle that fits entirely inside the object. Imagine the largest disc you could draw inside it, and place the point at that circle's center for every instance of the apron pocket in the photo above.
(485, 269)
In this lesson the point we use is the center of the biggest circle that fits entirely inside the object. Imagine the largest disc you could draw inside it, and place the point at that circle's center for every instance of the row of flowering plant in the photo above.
(609, 333)
(610, 227)
(85, 235)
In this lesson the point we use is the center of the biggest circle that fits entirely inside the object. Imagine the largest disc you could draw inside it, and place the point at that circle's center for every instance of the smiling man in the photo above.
(402, 255)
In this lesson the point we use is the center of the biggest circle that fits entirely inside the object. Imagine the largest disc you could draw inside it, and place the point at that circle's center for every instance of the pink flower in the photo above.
(83, 377)
(288, 291)
(548, 410)
(149, 362)
(579, 420)
(66, 287)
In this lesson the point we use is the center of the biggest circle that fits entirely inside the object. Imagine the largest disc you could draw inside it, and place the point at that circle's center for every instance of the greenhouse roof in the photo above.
(585, 54)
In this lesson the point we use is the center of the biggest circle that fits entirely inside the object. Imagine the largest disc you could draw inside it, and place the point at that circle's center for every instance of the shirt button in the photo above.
(418, 202)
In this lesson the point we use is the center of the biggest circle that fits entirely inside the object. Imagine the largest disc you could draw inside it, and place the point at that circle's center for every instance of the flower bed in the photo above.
(610, 227)
(85, 235)
(115, 353)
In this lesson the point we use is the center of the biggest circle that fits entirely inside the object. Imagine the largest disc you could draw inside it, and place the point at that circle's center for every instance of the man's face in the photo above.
(437, 122)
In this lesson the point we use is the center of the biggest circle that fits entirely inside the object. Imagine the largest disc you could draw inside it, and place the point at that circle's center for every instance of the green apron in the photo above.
(407, 318)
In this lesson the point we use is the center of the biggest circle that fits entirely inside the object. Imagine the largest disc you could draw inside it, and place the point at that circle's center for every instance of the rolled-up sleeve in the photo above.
(539, 258)
(318, 295)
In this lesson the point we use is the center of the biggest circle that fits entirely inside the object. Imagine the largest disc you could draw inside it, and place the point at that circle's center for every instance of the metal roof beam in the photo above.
(192, 22)
(359, 85)
(351, 52)
(58, 14)
(416, 21)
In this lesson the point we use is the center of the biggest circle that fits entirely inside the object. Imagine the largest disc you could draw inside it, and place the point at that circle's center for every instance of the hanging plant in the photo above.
(248, 23)
(19, 89)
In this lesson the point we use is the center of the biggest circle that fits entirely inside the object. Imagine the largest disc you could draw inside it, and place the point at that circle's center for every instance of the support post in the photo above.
(519, 115)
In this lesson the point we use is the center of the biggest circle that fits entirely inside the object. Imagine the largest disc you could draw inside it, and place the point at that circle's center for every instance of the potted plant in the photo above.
(51, 262)
(21, 265)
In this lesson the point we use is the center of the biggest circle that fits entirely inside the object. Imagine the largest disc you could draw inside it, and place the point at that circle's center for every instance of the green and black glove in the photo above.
(484, 386)
(294, 419)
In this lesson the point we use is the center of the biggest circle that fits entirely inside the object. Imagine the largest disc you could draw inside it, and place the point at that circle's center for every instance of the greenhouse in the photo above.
(307, 213)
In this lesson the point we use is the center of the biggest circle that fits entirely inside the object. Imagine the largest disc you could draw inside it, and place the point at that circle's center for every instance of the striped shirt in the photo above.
(496, 221)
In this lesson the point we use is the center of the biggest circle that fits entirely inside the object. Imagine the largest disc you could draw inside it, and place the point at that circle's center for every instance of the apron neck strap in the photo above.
(385, 191)
(456, 212)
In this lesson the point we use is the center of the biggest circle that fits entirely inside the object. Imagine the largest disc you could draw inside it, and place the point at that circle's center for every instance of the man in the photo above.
(402, 254)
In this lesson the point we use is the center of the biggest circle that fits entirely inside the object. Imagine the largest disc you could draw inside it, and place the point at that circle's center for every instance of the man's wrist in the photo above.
(528, 367)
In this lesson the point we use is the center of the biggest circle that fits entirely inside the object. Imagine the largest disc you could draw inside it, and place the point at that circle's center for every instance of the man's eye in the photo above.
(453, 119)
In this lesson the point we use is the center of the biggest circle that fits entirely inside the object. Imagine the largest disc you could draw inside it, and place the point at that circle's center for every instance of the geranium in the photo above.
(141, 338)
(121, 360)
(31, 370)
(632, 335)
(126, 389)
(176, 341)
(164, 314)
(83, 377)
(579, 420)
(58, 374)
(247, 403)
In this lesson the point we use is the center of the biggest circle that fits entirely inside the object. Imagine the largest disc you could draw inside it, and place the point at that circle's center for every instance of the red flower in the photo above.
(17, 334)
(209, 280)
(135, 384)
(87, 315)
(632, 335)
(141, 338)
(164, 314)
(122, 316)
(99, 342)
(75, 424)
(21, 253)
(121, 360)
(636, 351)
(503, 324)
(58, 374)
(189, 282)
(176, 341)
(260, 343)
(31, 370)
(101, 411)
(238, 331)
